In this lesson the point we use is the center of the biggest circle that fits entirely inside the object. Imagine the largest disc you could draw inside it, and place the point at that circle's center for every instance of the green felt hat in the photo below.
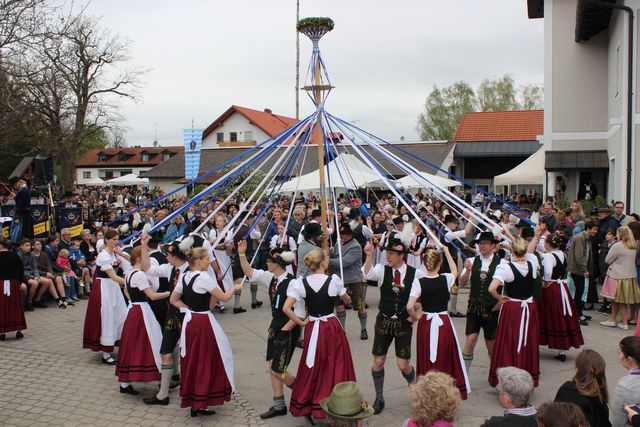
(345, 402)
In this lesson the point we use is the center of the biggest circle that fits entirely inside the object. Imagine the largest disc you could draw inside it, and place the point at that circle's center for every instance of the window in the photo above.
(233, 136)
(220, 136)
(248, 136)
(165, 157)
(102, 157)
(145, 157)
(108, 174)
(86, 175)
(122, 157)
(125, 172)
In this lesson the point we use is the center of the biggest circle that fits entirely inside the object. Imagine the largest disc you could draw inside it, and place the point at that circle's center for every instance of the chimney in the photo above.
(268, 110)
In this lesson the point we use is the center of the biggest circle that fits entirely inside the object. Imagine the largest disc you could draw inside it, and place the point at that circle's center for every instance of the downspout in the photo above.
(629, 92)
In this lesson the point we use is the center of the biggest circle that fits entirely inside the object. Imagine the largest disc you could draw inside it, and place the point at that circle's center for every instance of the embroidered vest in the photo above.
(394, 299)
(480, 281)
(277, 297)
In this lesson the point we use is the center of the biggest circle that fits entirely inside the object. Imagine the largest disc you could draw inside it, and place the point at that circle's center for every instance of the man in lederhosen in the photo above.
(393, 323)
(283, 332)
(483, 309)
(169, 350)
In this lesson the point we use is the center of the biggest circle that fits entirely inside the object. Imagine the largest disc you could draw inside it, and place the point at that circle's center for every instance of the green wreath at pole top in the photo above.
(315, 22)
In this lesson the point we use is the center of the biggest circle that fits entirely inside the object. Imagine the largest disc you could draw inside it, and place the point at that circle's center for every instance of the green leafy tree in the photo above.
(444, 109)
(531, 97)
(497, 95)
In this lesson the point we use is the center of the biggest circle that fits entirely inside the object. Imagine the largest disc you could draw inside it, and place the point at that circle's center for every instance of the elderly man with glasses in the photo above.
(515, 387)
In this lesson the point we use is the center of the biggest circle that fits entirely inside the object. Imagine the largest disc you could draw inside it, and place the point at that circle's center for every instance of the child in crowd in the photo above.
(64, 263)
(75, 255)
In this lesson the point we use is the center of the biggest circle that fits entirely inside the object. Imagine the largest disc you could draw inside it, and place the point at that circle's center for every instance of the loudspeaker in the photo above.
(43, 171)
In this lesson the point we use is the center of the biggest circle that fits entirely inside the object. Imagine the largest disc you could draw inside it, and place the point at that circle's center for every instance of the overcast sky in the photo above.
(383, 57)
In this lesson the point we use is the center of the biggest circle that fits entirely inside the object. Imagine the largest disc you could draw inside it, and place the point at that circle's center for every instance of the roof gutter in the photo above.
(629, 92)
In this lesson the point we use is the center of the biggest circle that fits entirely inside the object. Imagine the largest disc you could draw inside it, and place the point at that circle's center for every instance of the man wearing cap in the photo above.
(346, 262)
(451, 235)
(283, 332)
(393, 323)
(482, 312)
(169, 351)
(316, 217)
(21, 225)
(311, 234)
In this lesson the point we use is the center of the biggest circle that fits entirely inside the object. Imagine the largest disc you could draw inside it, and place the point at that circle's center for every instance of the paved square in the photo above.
(48, 379)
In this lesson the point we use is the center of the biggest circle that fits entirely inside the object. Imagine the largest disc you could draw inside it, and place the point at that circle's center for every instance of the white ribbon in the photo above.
(221, 339)
(434, 333)
(7, 288)
(313, 342)
(566, 306)
(154, 332)
(524, 321)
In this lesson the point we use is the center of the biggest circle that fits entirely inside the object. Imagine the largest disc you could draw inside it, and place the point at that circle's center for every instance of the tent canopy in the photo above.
(345, 171)
(129, 179)
(413, 181)
(529, 172)
(95, 182)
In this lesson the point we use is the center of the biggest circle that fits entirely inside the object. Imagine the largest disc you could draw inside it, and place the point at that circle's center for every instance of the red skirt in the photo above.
(557, 330)
(448, 358)
(505, 347)
(11, 311)
(135, 355)
(93, 320)
(333, 365)
(203, 381)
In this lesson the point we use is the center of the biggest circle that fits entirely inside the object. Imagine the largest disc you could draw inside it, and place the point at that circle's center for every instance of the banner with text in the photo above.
(192, 146)
(71, 218)
(40, 220)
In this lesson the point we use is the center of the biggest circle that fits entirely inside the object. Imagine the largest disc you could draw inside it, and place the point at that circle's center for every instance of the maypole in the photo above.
(315, 28)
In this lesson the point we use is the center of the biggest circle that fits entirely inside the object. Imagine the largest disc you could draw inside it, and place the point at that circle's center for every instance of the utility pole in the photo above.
(297, 61)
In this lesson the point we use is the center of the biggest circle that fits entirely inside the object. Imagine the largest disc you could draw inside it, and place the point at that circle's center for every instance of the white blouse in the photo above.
(296, 287)
(204, 284)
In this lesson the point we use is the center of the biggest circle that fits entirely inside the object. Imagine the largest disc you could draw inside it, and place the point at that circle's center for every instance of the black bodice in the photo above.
(318, 303)
(560, 269)
(194, 300)
(434, 294)
(135, 294)
(522, 286)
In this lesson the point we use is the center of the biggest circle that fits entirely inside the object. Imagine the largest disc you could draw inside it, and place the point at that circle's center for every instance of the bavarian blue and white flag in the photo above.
(192, 146)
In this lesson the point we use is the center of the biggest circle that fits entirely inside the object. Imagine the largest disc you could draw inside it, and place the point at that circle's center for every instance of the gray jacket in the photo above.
(303, 249)
(351, 262)
(627, 392)
(30, 264)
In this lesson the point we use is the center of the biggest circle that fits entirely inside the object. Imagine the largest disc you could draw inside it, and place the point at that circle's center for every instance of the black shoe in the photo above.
(309, 419)
(109, 361)
(457, 314)
(256, 304)
(28, 307)
(366, 305)
(3, 337)
(196, 412)
(378, 406)
(273, 412)
(39, 304)
(587, 318)
(176, 377)
(300, 343)
(61, 304)
(155, 401)
(173, 384)
(221, 309)
(237, 310)
(584, 323)
(129, 390)
(19, 335)
(348, 306)
(560, 357)
(364, 335)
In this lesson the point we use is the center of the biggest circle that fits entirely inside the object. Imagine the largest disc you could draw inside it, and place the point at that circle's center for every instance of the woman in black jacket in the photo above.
(588, 389)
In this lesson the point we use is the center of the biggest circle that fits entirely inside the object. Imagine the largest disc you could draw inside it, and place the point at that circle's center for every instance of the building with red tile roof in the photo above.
(494, 142)
(110, 163)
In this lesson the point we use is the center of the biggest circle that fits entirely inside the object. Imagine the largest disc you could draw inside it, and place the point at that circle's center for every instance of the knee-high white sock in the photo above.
(165, 381)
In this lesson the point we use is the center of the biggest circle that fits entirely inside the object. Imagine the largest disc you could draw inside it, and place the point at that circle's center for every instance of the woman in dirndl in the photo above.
(326, 357)
(11, 278)
(206, 362)
(139, 352)
(559, 322)
(106, 310)
(437, 343)
(622, 272)
(517, 335)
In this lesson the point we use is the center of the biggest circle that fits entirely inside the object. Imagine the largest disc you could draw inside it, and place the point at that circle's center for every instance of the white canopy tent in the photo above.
(345, 167)
(129, 179)
(95, 182)
(413, 181)
(529, 172)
